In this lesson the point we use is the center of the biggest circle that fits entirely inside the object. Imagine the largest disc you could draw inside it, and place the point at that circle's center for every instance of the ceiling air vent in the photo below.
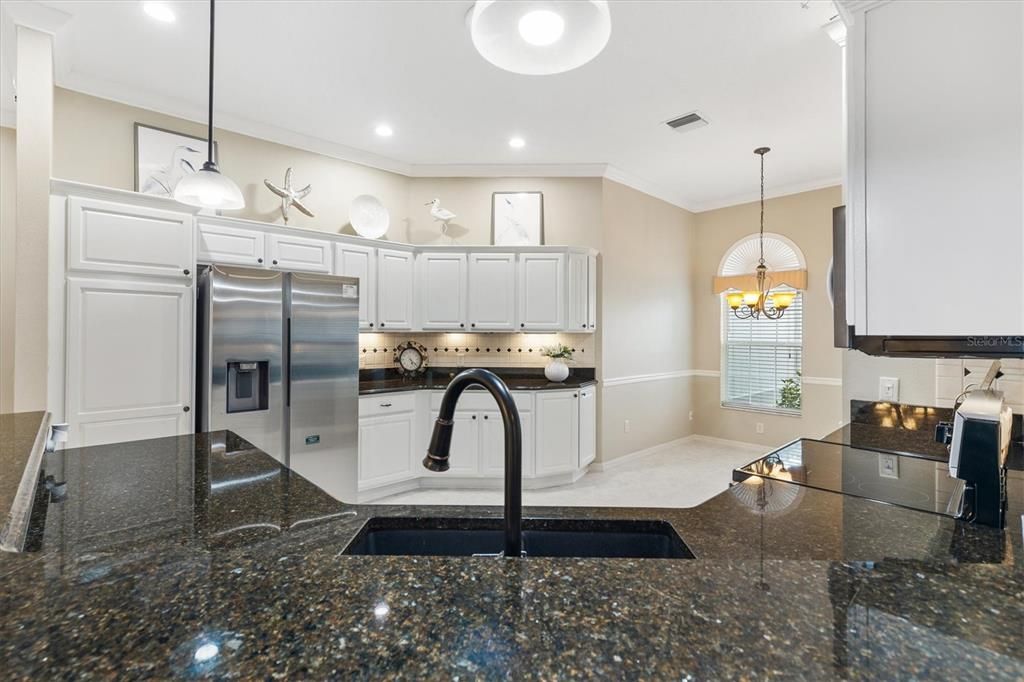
(687, 122)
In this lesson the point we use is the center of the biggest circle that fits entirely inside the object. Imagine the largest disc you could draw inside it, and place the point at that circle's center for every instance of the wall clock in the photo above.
(410, 358)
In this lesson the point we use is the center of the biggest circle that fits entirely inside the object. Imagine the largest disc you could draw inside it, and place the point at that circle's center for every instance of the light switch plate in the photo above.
(888, 466)
(889, 389)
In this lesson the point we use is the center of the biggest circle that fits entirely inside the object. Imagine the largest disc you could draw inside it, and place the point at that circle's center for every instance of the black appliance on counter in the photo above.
(903, 346)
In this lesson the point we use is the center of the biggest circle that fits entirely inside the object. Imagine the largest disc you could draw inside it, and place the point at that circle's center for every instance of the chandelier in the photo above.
(762, 301)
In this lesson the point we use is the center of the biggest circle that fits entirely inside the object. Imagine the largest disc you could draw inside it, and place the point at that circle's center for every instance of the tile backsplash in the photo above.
(475, 350)
(953, 376)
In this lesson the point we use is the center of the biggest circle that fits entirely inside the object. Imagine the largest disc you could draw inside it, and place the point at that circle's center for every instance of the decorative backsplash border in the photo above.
(476, 350)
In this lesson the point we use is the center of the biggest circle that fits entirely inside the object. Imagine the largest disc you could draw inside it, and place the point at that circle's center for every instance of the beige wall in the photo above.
(805, 218)
(646, 320)
(8, 171)
(861, 374)
(94, 142)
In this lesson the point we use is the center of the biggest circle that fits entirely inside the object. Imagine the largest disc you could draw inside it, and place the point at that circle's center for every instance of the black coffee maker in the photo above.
(977, 456)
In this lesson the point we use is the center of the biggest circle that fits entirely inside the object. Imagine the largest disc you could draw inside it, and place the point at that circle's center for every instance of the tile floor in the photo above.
(682, 476)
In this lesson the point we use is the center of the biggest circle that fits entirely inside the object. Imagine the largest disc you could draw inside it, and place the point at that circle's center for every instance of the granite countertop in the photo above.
(375, 381)
(200, 555)
(22, 441)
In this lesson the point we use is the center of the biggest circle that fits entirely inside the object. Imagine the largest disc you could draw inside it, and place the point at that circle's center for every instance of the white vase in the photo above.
(556, 370)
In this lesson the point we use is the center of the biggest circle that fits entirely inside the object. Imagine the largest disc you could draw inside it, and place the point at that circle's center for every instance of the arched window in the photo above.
(762, 358)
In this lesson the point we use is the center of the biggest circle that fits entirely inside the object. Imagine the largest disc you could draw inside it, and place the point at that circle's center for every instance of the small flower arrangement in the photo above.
(557, 352)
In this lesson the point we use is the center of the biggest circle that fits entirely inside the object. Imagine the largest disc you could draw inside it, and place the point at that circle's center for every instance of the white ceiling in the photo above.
(321, 74)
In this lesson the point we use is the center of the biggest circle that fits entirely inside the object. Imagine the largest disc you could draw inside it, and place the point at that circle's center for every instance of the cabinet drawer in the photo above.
(107, 237)
(386, 403)
(480, 400)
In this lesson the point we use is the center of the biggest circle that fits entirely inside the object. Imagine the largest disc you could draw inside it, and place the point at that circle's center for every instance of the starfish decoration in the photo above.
(290, 197)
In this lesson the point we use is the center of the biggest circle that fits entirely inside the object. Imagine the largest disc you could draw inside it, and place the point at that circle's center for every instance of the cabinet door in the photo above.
(936, 174)
(557, 444)
(441, 294)
(129, 360)
(385, 449)
(353, 260)
(592, 292)
(394, 289)
(287, 252)
(465, 448)
(492, 291)
(230, 245)
(104, 236)
(576, 315)
(492, 443)
(541, 291)
(588, 425)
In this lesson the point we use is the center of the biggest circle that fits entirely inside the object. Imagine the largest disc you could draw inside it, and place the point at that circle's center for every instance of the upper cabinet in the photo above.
(109, 237)
(301, 254)
(230, 245)
(354, 260)
(577, 304)
(394, 289)
(441, 291)
(492, 291)
(592, 292)
(541, 291)
(935, 196)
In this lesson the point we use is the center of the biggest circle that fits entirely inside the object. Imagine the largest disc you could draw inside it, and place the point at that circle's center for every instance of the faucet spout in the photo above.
(440, 445)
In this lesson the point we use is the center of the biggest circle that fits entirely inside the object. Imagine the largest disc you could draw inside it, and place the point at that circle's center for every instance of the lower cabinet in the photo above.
(492, 444)
(386, 439)
(558, 432)
(588, 425)
(465, 448)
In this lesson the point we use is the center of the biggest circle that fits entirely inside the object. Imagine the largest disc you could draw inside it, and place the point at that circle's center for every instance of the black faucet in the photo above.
(441, 440)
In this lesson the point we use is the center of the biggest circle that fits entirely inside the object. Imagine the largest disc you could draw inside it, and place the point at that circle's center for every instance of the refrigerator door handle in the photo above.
(288, 362)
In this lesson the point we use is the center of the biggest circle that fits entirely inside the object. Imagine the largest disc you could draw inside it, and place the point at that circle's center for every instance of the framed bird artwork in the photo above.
(164, 157)
(517, 218)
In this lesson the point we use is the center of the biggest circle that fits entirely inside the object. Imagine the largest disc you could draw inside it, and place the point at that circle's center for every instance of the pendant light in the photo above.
(207, 187)
(762, 302)
(539, 37)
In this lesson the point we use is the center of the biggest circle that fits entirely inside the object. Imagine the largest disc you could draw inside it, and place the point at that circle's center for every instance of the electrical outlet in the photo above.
(759, 427)
(625, 426)
(889, 389)
(691, 415)
(888, 466)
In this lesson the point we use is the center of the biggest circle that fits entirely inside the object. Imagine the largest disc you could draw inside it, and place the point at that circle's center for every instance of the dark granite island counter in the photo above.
(201, 556)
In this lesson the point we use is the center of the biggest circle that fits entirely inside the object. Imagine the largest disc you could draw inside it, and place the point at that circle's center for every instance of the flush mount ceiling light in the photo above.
(539, 37)
(207, 188)
(384, 130)
(517, 143)
(159, 11)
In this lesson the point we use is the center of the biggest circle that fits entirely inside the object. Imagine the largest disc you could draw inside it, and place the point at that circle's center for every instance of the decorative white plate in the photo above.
(368, 216)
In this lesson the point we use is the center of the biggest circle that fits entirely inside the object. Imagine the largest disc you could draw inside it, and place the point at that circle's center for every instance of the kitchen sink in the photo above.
(581, 538)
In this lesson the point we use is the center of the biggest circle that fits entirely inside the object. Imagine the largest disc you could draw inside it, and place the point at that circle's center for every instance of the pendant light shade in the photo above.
(208, 188)
(540, 37)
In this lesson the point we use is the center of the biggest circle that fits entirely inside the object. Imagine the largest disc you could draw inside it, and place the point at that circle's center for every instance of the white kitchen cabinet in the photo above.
(557, 441)
(576, 296)
(492, 443)
(386, 447)
(541, 279)
(129, 360)
(935, 201)
(588, 425)
(355, 260)
(464, 454)
(230, 245)
(492, 291)
(394, 289)
(592, 292)
(108, 237)
(441, 293)
(300, 254)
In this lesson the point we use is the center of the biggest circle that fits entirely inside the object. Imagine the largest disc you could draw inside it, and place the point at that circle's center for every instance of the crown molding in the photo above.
(497, 170)
(655, 190)
(171, 106)
(36, 16)
(774, 193)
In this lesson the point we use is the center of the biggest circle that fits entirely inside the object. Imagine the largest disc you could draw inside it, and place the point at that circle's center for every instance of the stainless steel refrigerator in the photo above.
(278, 364)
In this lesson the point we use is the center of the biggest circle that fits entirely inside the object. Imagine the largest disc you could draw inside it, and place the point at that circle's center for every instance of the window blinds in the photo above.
(759, 356)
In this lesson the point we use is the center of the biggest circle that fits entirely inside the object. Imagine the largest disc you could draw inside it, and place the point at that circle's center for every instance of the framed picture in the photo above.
(164, 157)
(517, 218)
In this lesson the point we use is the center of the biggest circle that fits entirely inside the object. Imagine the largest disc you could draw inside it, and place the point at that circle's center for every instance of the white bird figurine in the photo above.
(441, 215)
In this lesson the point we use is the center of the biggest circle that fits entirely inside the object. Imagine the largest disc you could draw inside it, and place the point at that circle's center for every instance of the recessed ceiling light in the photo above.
(517, 143)
(159, 11)
(541, 27)
(384, 130)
